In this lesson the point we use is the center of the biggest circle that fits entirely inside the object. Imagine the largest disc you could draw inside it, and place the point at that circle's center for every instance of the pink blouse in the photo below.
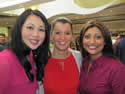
(106, 76)
(13, 79)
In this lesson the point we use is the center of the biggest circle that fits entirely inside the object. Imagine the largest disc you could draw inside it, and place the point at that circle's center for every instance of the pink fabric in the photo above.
(106, 76)
(13, 79)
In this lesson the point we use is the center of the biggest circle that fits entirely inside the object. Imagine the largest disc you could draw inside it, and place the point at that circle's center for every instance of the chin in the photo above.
(33, 48)
(64, 49)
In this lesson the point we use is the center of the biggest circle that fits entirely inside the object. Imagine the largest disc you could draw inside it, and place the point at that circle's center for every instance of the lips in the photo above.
(92, 47)
(34, 42)
(62, 43)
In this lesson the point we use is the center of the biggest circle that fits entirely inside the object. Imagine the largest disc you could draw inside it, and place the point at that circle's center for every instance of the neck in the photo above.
(91, 59)
(94, 57)
(60, 54)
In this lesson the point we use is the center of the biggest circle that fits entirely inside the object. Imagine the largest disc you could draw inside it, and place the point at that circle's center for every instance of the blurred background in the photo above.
(110, 12)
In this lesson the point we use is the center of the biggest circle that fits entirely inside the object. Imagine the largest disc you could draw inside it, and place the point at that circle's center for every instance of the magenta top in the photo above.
(13, 79)
(106, 76)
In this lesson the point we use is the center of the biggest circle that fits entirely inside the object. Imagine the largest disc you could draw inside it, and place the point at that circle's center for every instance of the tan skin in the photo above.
(33, 32)
(93, 43)
(62, 37)
(2, 39)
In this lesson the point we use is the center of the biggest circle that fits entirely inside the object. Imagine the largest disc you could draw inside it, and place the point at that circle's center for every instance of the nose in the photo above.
(35, 33)
(92, 40)
(62, 35)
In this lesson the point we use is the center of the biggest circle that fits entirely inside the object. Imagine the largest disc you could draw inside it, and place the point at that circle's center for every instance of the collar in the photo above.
(96, 63)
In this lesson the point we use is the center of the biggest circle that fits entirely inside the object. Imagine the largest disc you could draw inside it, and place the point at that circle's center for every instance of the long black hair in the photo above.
(108, 48)
(40, 55)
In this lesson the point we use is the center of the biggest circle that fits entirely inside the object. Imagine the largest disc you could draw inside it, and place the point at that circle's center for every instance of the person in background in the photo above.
(2, 38)
(101, 72)
(116, 46)
(2, 41)
(22, 63)
(121, 50)
(62, 70)
(1, 47)
(114, 36)
(77, 43)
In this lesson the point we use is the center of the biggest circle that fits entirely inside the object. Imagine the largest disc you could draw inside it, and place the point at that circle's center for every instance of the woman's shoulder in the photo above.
(6, 54)
(4, 62)
(111, 59)
(78, 57)
(8, 60)
(114, 63)
(75, 51)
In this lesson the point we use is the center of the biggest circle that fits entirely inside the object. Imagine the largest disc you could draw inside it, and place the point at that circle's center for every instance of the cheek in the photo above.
(102, 42)
(42, 36)
(55, 37)
(25, 33)
(70, 38)
(84, 42)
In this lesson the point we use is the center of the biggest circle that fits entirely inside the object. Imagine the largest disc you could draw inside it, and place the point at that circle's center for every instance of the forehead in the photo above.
(34, 19)
(61, 24)
(93, 30)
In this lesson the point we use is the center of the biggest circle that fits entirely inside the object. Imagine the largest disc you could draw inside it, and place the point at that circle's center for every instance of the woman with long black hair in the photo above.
(22, 63)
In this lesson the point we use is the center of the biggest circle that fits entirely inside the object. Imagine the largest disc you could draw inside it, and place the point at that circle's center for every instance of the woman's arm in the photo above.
(117, 79)
(4, 74)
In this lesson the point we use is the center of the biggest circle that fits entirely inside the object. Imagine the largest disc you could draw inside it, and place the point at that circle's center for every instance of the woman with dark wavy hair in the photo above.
(22, 63)
(101, 72)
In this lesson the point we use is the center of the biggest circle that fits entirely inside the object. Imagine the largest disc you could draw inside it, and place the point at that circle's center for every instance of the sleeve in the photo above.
(117, 79)
(4, 71)
(78, 57)
(122, 53)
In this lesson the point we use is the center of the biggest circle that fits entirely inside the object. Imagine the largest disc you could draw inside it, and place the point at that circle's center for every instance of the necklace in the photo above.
(61, 57)
(62, 64)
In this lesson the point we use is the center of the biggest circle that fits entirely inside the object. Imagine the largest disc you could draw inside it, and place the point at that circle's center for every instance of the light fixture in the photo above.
(34, 7)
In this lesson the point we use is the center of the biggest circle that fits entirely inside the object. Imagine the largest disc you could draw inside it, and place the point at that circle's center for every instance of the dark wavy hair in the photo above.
(40, 55)
(108, 48)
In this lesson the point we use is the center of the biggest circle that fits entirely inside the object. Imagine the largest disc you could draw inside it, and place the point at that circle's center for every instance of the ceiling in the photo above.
(15, 7)
(54, 7)
(95, 3)
(112, 16)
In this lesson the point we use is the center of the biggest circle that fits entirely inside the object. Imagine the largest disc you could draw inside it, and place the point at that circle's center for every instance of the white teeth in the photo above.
(34, 41)
(62, 43)
(92, 47)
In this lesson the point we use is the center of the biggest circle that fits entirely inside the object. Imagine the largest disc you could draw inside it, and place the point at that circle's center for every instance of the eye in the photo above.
(98, 37)
(57, 32)
(42, 30)
(87, 36)
(29, 27)
(68, 33)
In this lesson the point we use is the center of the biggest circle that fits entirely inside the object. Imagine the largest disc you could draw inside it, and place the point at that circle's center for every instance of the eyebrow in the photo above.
(34, 25)
(42, 26)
